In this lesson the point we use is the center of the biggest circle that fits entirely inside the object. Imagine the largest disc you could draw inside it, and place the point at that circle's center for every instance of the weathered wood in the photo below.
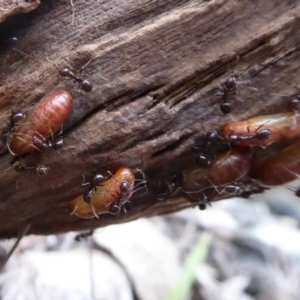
(156, 68)
(12, 7)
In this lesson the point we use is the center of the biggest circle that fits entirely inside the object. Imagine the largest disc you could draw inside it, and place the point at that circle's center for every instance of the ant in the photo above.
(55, 143)
(211, 143)
(252, 132)
(12, 122)
(165, 190)
(228, 88)
(125, 190)
(84, 83)
(39, 170)
(260, 135)
(91, 185)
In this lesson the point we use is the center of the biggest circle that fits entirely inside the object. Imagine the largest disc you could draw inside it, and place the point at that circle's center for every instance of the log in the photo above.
(156, 69)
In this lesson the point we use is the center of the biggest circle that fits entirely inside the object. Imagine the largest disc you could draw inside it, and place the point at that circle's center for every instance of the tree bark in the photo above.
(156, 68)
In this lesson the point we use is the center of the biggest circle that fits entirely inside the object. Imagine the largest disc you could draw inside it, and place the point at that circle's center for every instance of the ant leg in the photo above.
(84, 182)
(84, 66)
(93, 209)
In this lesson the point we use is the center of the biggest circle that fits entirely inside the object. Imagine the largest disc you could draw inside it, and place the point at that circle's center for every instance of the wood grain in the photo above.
(156, 68)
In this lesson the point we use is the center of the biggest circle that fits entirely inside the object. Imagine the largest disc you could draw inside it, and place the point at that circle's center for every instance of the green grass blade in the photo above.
(196, 256)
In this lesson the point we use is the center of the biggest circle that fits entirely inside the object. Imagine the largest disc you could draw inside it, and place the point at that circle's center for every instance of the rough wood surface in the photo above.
(156, 67)
(12, 7)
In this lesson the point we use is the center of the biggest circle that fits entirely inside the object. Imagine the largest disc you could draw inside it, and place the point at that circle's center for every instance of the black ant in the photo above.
(91, 185)
(125, 190)
(260, 135)
(55, 143)
(84, 83)
(211, 143)
(167, 189)
(39, 170)
(12, 122)
(228, 88)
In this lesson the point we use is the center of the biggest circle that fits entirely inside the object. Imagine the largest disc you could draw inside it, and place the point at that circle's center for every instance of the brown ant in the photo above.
(84, 83)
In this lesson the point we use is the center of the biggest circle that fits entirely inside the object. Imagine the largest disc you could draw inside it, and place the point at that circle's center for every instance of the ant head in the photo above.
(124, 187)
(58, 142)
(263, 134)
(203, 160)
(98, 178)
(230, 83)
(15, 118)
(65, 72)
